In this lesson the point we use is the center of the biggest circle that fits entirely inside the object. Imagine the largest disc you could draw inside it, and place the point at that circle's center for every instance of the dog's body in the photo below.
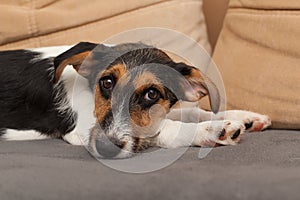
(32, 105)
(116, 99)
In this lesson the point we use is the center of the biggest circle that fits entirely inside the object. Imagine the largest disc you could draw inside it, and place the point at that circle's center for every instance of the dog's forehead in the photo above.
(117, 70)
(145, 78)
(130, 54)
(136, 61)
(139, 57)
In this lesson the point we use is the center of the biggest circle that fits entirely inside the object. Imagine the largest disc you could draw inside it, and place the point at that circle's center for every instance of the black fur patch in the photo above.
(28, 96)
(79, 48)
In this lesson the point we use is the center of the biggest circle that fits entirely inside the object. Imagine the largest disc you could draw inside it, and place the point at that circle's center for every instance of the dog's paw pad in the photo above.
(257, 123)
(231, 132)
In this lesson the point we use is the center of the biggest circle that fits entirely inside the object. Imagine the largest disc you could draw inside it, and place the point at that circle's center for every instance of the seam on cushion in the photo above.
(264, 9)
(117, 14)
(31, 22)
(47, 4)
(28, 21)
(116, 18)
(88, 26)
(121, 17)
(263, 12)
(90, 22)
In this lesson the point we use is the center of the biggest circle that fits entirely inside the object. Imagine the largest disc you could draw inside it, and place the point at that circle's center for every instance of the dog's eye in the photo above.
(107, 83)
(152, 95)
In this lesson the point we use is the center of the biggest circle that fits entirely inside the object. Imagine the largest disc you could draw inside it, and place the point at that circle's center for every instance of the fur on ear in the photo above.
(199, 86)
(74, 56)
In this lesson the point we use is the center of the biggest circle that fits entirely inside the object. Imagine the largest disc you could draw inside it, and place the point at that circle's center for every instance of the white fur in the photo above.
(11, 134)
(176, 134)
(247, 117)
(56, 50)
(179, 134)
(119, 127)
(199, 115)
(81, 99)
(51, 51)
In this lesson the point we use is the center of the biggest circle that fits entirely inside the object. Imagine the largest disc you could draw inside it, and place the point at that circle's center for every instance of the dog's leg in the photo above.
(252, 121)
(189, 115)
(11, 134)
(78, 136)
(178, 134)
(73, 138)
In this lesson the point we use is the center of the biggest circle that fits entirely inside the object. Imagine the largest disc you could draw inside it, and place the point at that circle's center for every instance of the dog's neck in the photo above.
(79, 95)
(81, 99)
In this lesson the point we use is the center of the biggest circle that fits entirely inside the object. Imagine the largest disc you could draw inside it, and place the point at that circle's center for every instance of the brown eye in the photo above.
(107, 83)
(152, 95)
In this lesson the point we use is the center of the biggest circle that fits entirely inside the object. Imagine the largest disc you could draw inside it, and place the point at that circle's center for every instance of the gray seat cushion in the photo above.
(264, 165)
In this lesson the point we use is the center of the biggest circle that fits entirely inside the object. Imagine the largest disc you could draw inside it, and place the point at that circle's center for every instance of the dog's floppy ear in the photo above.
(74, 56)
(200, 86)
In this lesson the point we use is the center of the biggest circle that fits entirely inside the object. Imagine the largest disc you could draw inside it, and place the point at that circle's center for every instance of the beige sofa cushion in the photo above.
(51, 22)
(258, 54)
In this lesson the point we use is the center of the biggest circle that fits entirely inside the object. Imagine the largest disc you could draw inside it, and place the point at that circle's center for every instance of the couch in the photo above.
(256, 48)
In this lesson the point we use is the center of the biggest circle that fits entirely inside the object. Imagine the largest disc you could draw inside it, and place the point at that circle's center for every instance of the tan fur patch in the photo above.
(102, 106)
(197, 81)
(141, 118)
(75, 60)
(117, 71)
(145, 79)
(146, 122)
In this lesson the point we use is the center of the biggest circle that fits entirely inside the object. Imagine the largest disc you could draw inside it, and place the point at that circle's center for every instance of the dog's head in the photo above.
(135, 86)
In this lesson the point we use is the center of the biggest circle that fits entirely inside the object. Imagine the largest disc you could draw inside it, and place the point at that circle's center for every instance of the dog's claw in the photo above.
(248, 125)
(236, 134)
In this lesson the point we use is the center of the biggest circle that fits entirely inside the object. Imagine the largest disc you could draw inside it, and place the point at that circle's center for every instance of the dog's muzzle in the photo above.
(108, 147)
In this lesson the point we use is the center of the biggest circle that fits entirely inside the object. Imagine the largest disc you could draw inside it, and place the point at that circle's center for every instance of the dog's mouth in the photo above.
(104, 145)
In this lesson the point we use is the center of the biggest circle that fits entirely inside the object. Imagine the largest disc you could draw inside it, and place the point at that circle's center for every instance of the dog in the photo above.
(127, 98)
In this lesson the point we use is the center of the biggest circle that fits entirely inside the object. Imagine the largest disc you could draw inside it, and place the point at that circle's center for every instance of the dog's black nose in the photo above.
(108, 147)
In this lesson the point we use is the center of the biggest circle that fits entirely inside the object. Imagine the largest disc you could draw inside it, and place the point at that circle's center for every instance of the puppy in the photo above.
(117, 100)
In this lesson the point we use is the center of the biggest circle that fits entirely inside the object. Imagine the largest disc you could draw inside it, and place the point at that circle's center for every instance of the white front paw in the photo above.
(220, 133)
